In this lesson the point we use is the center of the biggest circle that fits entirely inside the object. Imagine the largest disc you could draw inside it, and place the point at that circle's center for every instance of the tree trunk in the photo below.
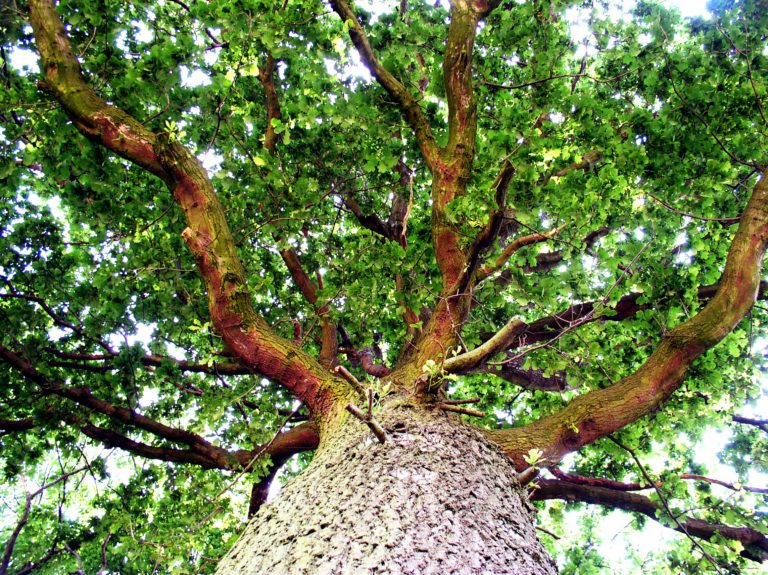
(436, 497)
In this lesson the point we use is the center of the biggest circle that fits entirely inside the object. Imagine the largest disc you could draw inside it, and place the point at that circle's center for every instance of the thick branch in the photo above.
(603, 411)
(755, 543)
(760, 423)
(457, 74)
(260, 491)
(14, 425)
(201, 451)
(207, 236)
(490, 232)
(371, 368)
(329, 345)
(267, 79)
(410, 107)
(452, 173)
(112, 438)
(499, 342)
(371, 222)
(597, 481)
(548, 327)
(365, 359)
(303, 437)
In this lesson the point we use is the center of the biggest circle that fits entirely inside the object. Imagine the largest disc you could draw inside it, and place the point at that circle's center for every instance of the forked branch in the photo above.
(394, 87)
(207, 236)
(603, 411)
(755, 543)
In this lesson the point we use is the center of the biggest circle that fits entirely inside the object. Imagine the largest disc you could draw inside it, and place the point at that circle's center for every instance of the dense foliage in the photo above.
(631, 140)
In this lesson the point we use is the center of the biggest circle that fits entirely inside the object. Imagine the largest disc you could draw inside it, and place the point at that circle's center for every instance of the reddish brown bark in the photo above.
(207, 235)
(200, 452)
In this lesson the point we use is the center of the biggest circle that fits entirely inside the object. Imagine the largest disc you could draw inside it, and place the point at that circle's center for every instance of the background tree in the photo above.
(539, 218)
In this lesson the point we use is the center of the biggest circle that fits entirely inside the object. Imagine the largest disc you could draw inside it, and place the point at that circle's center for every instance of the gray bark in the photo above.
(436, 497)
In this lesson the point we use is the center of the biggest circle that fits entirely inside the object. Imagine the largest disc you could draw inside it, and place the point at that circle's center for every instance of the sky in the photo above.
(654, 537)
(27, 59)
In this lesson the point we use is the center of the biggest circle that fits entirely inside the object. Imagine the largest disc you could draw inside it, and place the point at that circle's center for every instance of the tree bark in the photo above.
(436, 497)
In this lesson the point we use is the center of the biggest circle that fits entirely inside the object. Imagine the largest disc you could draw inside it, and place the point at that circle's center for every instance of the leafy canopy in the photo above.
(635, 139)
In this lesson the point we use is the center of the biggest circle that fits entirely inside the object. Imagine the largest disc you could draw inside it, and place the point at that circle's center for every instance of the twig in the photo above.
(344, 372)
(458, 409)
(79, 559)
(731, 486)
(104, 570)
(548, 532)
(735, 220)
(6, 559)
(663, 500)
(699, 117)
(460, 401)
(368, 419)
(555, 77)
(581, 321)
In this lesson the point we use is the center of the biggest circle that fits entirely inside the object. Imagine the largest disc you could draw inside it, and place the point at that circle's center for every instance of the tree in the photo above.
(521, 235)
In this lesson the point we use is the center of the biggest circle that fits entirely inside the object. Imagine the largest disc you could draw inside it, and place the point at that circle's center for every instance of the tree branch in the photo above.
(329, 345)
(328, 348)
(371, 222)
(13, 425)
(207, 236)
(409, 106)
(6, 559)
(588, 163)
(726, 484)
(272, 102)
(371, 368)
(530, 379)
(490, 232)
(512, 248)
(500, 341)
(755, 543)
(619, 486)
(597, 481)
(201, 452)
(547, 327)
(761, 423)
(57, 319)
(603, 411)
(112, 439)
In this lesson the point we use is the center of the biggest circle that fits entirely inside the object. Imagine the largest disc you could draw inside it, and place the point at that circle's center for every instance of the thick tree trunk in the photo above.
(437, 497)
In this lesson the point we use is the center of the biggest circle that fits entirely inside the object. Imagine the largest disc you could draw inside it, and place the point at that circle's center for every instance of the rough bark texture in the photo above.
(435, 498)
